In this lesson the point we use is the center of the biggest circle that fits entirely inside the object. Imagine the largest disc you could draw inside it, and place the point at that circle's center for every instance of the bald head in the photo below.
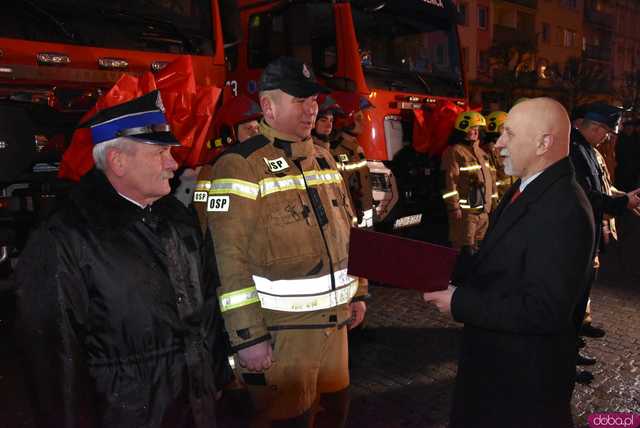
(535, 136)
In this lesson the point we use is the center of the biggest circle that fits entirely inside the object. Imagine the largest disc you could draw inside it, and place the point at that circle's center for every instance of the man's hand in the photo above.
(634, 199)
(256, 358)
(442, 299)
(457, 213)
(358, 310)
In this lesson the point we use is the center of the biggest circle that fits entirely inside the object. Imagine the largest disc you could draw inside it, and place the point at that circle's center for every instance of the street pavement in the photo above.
(403, 363)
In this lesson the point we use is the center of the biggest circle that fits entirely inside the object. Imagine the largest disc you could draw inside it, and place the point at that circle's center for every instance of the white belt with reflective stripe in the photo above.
(367, 219)
(471, 168)
(300, 295)
(239, 298)
(327, 300)
(225, 186)
(305, 286)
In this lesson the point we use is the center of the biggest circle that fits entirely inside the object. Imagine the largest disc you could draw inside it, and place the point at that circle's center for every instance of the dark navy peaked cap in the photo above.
(603, 113)
(140, 119)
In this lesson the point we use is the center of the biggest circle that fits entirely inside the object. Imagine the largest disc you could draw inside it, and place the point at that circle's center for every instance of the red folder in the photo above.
(400, 262)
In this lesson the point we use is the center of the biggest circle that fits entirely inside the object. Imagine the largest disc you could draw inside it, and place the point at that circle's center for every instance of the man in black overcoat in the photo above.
(517, 295)
(118, 317)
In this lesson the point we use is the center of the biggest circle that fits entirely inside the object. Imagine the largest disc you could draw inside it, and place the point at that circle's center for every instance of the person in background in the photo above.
(495, 124)
(349, 155)
(235, 122)
(594, 125)
(470, 189)
(627, 171)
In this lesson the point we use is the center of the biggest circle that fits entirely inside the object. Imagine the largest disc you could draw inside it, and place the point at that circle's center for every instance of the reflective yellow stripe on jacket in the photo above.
(271, 185)
(225, 186)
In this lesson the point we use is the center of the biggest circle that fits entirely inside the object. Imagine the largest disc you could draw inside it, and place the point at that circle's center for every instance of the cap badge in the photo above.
(159, 103)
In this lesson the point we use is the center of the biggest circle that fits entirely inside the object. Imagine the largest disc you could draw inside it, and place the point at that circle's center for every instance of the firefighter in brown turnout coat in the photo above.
(280, 217)
(349, 155)
(469, 184)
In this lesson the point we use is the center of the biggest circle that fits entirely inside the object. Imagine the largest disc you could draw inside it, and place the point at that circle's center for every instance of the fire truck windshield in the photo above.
(409, 50)
(173, 26)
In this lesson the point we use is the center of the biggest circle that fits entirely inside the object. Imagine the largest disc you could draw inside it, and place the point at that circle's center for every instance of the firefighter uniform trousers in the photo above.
(280, 216)
(470, 187)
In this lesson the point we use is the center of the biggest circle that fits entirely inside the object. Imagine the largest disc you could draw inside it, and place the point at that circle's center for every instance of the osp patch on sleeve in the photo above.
(218, 203)
(200, 196)
(343, 157)
(276, 165)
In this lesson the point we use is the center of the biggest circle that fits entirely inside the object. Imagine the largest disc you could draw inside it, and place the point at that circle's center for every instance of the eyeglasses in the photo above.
(608, 134)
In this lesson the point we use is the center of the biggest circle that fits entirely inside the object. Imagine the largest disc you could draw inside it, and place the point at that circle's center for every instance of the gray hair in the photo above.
(100, 150)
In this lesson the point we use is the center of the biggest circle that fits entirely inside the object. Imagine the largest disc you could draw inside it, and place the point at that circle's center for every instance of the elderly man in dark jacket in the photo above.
(517, 297)
(117, 314)
(598, 120)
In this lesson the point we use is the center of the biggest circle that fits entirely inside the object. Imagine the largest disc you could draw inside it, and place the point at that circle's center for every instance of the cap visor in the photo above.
(159, 138)
(304, 89)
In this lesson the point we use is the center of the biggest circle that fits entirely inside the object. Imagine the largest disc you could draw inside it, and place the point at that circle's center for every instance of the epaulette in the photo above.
(246, 148)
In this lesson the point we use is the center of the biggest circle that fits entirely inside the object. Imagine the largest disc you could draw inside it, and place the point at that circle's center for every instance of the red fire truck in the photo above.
(57, 57)
(403, 54)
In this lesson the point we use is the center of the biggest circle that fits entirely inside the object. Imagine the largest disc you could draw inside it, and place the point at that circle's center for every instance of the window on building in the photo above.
(546, 32)
(483, 17)
(462, 14)
(569, 39)
(465, 58)
(571, 4)
(483, 60)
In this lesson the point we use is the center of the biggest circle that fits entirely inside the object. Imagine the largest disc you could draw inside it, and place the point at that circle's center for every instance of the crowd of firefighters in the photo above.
(475, 178)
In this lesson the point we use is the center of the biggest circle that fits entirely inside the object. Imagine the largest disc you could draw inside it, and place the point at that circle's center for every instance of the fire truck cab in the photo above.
(56, 59)
(403, 55)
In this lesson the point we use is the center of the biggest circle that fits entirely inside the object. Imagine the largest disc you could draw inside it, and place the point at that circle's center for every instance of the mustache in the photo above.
(504, 152)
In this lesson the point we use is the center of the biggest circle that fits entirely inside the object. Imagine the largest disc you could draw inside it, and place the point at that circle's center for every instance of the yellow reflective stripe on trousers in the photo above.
(471, 168)
(450, 194)
(327, 300)
(272, 185)
(226, 186)
(238, 299)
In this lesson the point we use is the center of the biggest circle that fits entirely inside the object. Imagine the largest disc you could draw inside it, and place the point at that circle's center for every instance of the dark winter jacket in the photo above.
(118, 316)
(589, 175)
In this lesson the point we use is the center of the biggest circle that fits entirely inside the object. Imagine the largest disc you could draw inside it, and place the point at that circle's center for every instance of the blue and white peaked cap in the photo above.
(140, 119)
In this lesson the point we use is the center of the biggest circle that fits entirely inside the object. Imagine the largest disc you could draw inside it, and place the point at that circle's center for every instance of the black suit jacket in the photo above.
(516, 300)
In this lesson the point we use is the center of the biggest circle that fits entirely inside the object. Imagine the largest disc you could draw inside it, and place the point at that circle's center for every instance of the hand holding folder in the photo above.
(400, 262)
